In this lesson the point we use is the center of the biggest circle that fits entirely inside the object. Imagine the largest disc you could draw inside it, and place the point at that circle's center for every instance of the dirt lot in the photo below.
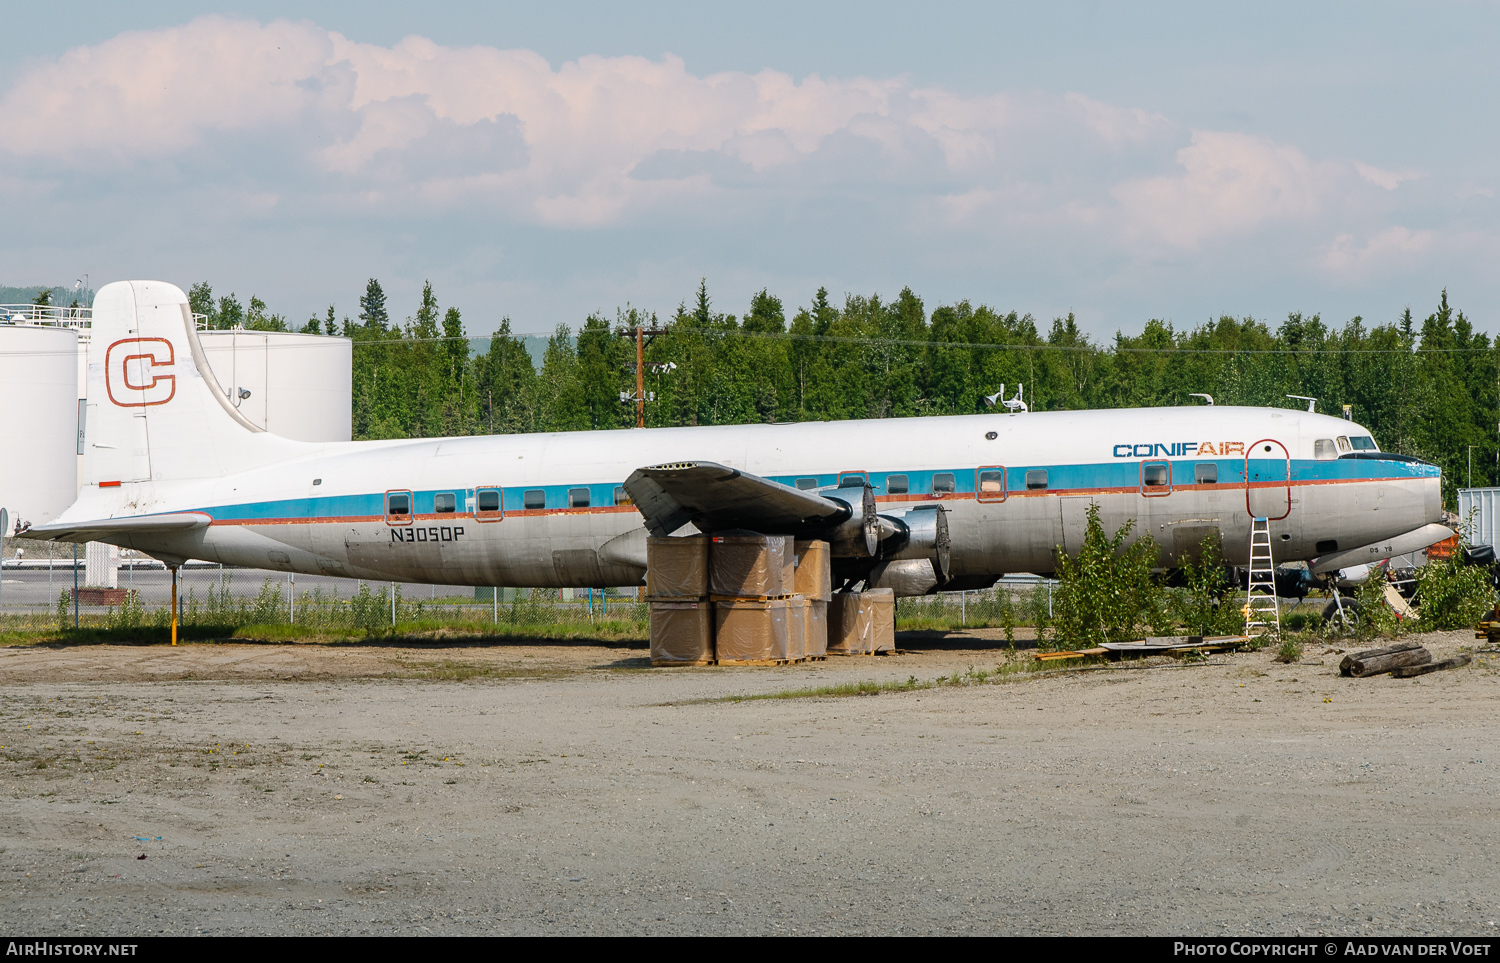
(572, 789)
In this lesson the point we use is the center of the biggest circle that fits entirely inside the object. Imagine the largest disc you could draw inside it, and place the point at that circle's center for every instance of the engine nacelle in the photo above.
(859, 535)
(921, 533)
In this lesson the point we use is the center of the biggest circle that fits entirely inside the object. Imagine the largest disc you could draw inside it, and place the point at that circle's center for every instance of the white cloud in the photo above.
(1389, 180)
(1392, 248)
(1229, 184)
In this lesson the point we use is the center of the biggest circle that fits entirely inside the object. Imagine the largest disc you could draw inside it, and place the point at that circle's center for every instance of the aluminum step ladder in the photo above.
(1262, 611)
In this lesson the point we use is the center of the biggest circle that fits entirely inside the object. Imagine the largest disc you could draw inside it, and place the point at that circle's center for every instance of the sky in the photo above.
(545, 161)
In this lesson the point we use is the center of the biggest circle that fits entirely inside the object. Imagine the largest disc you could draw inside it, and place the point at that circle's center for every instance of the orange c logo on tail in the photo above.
(130, 367)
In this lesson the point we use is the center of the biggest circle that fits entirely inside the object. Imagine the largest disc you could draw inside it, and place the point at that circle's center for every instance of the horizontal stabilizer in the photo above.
(102, 529)
(1413, 541)
(716, 498)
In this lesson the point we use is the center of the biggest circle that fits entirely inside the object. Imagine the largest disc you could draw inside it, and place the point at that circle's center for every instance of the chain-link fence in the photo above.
(130, 590)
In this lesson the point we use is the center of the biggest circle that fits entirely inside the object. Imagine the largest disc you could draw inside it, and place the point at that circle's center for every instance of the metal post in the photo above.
(963, 617)
(174, 604)
(291, 598)
(393, 604)
(495, 603)
(4, 524)
(591, 605)
(75, 585)
(1049, 598)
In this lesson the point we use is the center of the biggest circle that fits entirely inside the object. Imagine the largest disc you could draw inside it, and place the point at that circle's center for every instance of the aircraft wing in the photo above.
(101, 529)
(716, 498)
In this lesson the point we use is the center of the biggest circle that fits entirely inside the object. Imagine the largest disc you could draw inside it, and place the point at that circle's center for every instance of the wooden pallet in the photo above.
(756, 661)
(670, 663)
(747, 598)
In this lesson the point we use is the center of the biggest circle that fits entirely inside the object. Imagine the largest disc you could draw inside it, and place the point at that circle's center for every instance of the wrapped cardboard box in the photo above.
(851, 628)
(817, 629)
(682, 633)
(882, 605)
(677, 568)
(748, 565)
(796, 628)
(750, 630)
(814, 576)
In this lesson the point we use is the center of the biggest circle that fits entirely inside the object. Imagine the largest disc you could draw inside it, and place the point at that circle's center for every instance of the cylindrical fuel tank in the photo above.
(293, 385)
(38, 421)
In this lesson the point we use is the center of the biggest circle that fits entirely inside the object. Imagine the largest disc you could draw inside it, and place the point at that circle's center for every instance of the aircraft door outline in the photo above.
(1272, 496)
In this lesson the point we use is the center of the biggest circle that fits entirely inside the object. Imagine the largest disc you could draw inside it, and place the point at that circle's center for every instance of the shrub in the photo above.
(1452, 595)
(1204, 606)
(1107, 592)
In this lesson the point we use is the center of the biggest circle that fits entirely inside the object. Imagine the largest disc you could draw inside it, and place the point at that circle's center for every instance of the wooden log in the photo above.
(1410, 671)
(1364, 668)
(1346, 666)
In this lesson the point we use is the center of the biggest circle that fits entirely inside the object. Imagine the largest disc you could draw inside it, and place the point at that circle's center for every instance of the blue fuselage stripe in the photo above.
(1059, 479)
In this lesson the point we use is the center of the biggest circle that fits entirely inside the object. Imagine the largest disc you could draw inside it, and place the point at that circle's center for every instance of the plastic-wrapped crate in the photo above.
(682, 633)
(796, 628)
(749, 566)
(817, 629)
(851, 628)
(677, 568)
(882, 606)
(814, 578)
(751, 631)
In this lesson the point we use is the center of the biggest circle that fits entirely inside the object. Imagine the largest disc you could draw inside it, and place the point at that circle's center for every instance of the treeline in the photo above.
(1425, 388)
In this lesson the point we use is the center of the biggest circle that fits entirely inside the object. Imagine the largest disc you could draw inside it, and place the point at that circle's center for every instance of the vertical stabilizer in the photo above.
(155, 410)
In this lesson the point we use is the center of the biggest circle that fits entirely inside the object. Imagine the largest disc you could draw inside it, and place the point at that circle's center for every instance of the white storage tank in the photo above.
(300, 385)
(38, 421)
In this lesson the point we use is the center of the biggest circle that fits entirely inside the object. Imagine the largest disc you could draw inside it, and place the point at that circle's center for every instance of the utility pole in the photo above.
(640, 396)
(640, 384)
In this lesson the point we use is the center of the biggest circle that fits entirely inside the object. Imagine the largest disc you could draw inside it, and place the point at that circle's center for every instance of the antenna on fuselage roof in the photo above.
(1199, 394)
(1310, 401)
(1016, 404)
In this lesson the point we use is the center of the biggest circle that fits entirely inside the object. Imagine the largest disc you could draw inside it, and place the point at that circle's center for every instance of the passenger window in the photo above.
(942, 484)
(578, 498)
(535, 499)
(1324, 449)
(1363, 443)
(1206, 474)
(991, 482)
(445, 502)
(621, 496)
(1036, 480)
(398, 503)
(807, 484)
(1156, 475)
(853, 479)
(489, 499)
(1343, 444)
(895, 485)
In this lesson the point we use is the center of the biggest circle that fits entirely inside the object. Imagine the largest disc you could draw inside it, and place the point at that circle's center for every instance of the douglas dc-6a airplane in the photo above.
(915, 504)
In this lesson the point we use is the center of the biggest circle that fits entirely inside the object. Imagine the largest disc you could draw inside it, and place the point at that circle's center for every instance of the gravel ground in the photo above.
(571, 789)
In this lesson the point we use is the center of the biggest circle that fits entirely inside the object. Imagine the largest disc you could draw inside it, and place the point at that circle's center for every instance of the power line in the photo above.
(991, 345)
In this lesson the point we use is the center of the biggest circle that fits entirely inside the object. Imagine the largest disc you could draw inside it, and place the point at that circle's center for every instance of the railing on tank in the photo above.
(62, 316)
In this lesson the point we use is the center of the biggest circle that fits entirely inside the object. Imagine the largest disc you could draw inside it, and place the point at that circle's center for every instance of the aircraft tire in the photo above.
(1351, 609)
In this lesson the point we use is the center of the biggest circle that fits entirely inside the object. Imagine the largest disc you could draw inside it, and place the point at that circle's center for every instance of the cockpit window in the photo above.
(1363, 443)
(1324, 449)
